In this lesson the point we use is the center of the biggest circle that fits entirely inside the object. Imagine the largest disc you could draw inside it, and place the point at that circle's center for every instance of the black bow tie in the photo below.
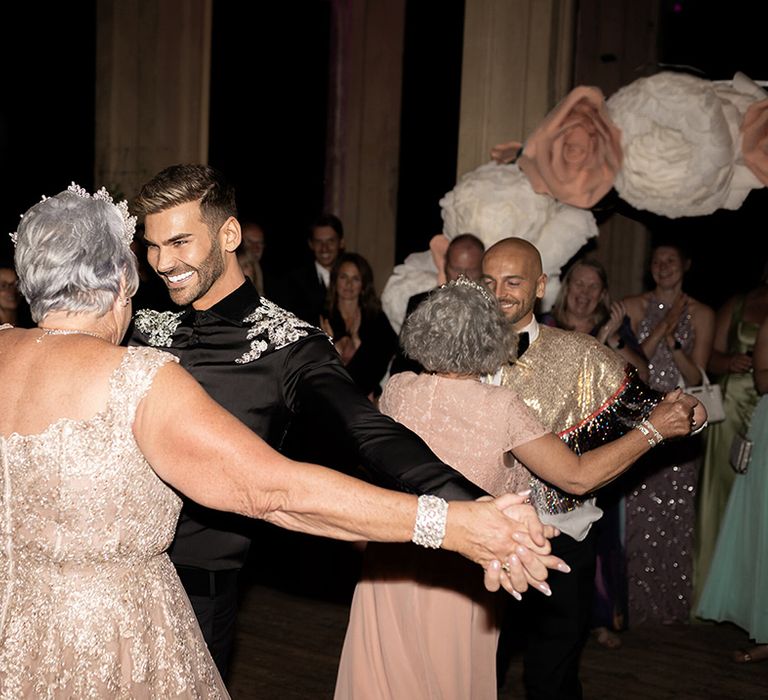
(523, 341)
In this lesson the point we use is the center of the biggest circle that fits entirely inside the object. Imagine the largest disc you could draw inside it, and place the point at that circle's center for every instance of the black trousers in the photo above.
(213, 595)
(552, 630)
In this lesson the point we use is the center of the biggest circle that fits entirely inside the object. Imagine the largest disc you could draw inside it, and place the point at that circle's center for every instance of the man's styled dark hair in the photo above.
(328, 220)
(179, 184)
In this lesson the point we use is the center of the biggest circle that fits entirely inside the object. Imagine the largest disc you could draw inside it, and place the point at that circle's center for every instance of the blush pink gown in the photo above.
(422, 625)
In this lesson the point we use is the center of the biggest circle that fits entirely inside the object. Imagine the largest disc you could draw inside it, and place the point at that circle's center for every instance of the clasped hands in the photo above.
(505, 536)
(672, 319)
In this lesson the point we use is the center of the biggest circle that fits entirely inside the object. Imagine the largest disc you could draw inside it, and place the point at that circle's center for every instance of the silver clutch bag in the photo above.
(741, 452)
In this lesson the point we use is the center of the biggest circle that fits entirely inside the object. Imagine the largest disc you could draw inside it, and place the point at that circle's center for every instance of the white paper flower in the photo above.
(416, 275)
(680, 138)
(496, 201)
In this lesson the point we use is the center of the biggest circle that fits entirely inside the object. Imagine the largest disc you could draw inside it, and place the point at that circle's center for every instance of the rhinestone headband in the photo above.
(464, 281)
(129, 222)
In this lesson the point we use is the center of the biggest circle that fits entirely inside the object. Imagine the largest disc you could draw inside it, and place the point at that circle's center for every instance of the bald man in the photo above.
(464, 256)
(583, 391)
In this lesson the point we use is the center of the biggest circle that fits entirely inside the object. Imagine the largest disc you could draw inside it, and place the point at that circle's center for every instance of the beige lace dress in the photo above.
(90, 604)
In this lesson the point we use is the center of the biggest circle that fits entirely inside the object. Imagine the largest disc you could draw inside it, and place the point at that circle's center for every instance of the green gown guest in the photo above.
(736, 329)
(735, 587)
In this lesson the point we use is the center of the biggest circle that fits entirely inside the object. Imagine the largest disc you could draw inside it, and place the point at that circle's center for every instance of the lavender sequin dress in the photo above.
(660, 501)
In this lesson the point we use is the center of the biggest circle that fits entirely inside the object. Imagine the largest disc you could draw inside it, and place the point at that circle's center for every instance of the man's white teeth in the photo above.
(180, 278)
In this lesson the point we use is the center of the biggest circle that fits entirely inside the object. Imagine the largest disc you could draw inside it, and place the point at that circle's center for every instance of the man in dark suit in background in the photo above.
(306, 285)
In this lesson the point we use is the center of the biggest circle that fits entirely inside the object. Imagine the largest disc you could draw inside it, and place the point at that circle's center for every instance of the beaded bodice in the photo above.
(663, 372)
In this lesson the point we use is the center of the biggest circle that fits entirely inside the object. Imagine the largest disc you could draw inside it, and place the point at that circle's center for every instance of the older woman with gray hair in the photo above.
(419, 624)
(96, 440)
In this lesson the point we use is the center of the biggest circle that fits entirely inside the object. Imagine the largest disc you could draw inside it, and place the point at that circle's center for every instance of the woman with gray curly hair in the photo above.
(419, 624)
(459, 330)
(97, 440)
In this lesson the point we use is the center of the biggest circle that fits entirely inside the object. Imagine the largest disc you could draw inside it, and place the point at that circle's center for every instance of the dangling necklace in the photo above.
(66, 331)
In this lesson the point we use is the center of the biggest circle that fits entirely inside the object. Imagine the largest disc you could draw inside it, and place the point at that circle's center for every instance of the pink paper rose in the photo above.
(754, 139)
(575, 153)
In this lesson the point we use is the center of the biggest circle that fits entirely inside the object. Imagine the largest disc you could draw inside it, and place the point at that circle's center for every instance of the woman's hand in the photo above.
(739, 362)
(346, 348)
(699, 416)
(674, 415)
(353, 325)
(481, 529)
(615, 319)
(674, 315)
(348, 345)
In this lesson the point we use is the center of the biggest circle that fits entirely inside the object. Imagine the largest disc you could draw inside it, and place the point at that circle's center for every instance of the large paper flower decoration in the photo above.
(497, 201)
(680, 137)
(575, 153)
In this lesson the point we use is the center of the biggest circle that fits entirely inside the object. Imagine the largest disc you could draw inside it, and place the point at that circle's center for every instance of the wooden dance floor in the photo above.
(294, 613)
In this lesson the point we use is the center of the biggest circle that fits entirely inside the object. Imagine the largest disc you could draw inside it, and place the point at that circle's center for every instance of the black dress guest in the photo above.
(359, 328)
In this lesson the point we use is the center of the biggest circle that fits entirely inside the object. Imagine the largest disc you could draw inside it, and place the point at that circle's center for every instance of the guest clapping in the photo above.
(583, 304)
(359, 328)
(675, 332)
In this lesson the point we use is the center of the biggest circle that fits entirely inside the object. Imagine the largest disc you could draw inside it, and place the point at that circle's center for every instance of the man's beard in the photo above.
(208, 271)
(518, 311)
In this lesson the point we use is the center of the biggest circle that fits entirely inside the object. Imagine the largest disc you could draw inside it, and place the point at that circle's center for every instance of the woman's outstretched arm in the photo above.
(203, 451)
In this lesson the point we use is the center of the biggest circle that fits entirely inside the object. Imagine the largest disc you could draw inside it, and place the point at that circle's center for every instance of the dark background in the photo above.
(47, 109)
(269, 111)
(269, 108)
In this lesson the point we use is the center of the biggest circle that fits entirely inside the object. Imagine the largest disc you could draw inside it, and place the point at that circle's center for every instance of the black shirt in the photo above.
(265, 366)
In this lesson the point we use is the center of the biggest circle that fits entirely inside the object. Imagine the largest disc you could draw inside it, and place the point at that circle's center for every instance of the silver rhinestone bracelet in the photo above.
(659, 437)
(431, 516)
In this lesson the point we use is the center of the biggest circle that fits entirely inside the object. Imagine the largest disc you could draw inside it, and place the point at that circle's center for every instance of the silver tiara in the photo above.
(129, 222)
(464, 281)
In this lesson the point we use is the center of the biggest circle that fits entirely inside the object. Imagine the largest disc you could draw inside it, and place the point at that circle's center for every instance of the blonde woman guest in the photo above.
(583, 304)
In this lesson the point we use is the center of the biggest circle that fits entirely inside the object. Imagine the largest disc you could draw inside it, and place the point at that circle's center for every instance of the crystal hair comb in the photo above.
(464, 281)
(129, 222)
